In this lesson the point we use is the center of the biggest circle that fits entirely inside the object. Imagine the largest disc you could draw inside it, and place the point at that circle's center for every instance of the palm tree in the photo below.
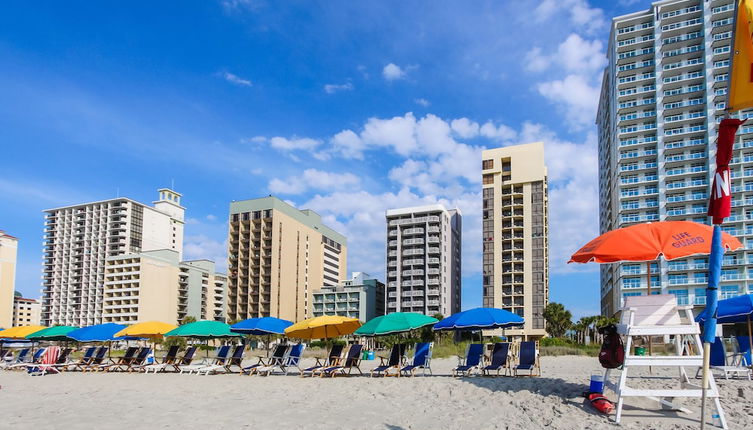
(557, 319)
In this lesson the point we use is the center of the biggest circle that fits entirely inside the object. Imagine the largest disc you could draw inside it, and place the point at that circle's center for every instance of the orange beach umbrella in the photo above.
(649, 241)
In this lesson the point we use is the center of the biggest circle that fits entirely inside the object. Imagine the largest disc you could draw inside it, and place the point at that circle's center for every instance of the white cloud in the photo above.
(536, 61)
(348, 144)
(295, 143)
(211, 217)
(465, 128)
(397, 132)
(423, 102)
(494, 132)
(333, 88)
(235, 79)
(313, 179)
(392, 72)
(580, 13)
(576, 98)
(579, 55)
(203, 247)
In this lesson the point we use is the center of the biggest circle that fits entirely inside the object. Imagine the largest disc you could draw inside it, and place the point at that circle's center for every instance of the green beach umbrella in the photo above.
(58, 332)
(396, 322)
(203, 330)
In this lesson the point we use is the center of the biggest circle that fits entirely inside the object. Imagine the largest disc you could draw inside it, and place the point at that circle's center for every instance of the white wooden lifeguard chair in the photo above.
(659, 315)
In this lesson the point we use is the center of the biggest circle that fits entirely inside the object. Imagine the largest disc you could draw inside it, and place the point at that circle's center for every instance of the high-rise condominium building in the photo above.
(423, 260)
(26, 312)
(8, 251)
(515, 234)
(360, 297)
(662, 96)
(153, 285)
(277, 257)
(79, 239)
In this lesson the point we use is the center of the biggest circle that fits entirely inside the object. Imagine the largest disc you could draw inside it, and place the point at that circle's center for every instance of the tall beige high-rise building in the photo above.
(8, 251)
(277, 257)
(515, 234)
(423, 260)
(79, 239)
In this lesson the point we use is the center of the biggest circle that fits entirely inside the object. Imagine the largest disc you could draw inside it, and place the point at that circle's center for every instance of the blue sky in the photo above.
(347, 108)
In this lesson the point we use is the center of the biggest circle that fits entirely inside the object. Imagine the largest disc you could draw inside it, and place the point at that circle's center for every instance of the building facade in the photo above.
(360, 297)
(26, 312)
(423, 260)
(8, 253)
(277, 257)
(79, 240)
(515, 232)
(662, 96)
(154, 286)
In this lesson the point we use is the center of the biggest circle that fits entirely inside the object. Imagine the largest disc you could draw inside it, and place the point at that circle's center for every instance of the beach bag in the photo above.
(612, 353)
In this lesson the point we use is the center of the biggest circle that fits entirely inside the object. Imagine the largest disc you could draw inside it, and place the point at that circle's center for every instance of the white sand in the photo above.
(129, 401)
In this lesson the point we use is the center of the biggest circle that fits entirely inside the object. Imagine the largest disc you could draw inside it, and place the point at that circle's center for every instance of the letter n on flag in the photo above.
(719, 203)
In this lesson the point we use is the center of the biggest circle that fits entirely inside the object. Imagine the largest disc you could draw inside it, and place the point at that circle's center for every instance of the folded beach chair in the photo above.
(719, 361)
(217, 364)
(500, 354)
(139, 361)
(394, 361)
(235, 360)
(421, 360)
(351, 360)
(85, 359)
(46, 364)
(118, 363)
(528, 359)
(334, 354)
(742, 354)
(291, 359)
(277, 354)
(472, 360)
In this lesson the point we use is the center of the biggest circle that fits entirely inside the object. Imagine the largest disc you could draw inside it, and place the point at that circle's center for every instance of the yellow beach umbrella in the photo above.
(323, 327)
(20, 332)
(151, 329)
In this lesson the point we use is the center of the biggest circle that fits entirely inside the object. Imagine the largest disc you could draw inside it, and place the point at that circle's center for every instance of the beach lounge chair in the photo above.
(119, 362)
(168, 363)
(170, 357)
(277, 354)
(35, 358)
(139, 361)
(528, 359)
(97, 360)
(421, 360)
(22, 357)
(47, 363)
(236, 360)
(85, 359)
(291, 359)
(394, 361)
(500, 355)
(723, 363)
(217, 363)
(334, 353)
(654, 316)
(350, 361)
(472, 361)
(742, 355)
(62, 361)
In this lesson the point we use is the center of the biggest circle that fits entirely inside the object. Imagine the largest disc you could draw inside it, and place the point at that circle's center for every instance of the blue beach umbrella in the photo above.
(735, 310)
(480, 319)
(97, 333)
(261, 326)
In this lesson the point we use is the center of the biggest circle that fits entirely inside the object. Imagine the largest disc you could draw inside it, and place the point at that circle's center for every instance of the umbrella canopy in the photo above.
(396, 322)
(203, 330)
(261, 326)
(97, 333)
(20, 332)
(150, 329)
(58, 332)
(734, 310)
(323, 327)
(648, 241)
(478, 319)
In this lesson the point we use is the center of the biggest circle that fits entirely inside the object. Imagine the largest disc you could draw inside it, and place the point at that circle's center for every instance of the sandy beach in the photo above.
(117, 400)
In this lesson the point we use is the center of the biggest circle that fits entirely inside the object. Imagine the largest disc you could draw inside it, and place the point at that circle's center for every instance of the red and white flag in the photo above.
(720, 201)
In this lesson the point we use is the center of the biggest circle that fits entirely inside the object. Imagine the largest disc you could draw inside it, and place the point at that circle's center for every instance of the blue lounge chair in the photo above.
(472, 360)
(118, 363)
(332, 357)
(394, 361)
(291, 358)
(21, 358)
(219, 362)
(351, 360)
(743, 350)
(500, 354)
(277, 354)
(236, 359)
(139, 361)
(718, 361)
(84, 360)
(528, 359)
(96, 360)
(421, 360)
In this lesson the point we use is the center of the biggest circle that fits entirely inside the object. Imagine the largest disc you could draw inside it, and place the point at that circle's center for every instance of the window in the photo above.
(488, 179)
(487, 164)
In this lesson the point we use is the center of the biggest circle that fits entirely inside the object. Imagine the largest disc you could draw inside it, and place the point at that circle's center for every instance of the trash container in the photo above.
(365, 355)
(640, 350)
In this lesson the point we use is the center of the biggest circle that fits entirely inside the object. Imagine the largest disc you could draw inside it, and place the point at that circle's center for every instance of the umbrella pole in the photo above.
(750, 342)
(705, 381)
(648, 293)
